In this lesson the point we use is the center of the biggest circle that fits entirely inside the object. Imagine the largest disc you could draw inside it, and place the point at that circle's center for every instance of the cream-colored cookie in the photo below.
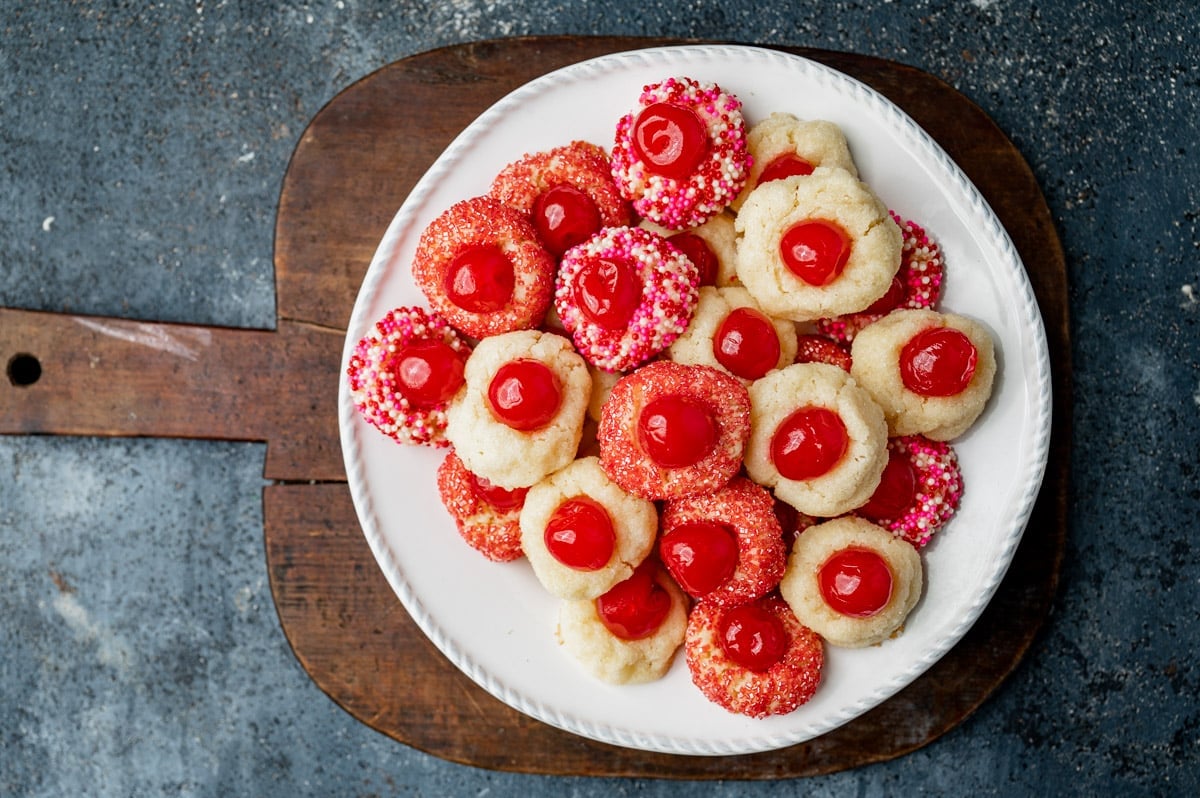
(602, 385)
(774, 401)
(816, 142)
(719, 235)
(813, 550)
(613, 659)
(634, 525)
(508, 457)
(698, 343)
(828, 195)
(877, 352)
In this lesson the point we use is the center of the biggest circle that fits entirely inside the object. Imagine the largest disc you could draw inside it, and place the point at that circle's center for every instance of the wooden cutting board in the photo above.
(352, 169)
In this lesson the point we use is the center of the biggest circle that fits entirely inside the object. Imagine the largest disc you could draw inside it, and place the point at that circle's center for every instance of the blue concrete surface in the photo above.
(141, 152)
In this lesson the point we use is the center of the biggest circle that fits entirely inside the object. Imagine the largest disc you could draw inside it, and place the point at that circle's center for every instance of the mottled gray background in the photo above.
(142, 147)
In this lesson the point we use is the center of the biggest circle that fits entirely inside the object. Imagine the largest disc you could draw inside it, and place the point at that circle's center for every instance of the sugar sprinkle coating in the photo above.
(921, 273)
(670, 290)
(716, 181)
(811, 348)
(375, 388)
(939, 488)
(482, 221)
(749, 510)
(493, 532)
(630, 467)
(786, 685)
(580, 164)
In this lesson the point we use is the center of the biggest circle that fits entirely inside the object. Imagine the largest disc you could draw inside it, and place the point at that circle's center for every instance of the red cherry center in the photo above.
(607, 292)
(524, 394)
(676, 431)
(815, 251)
(636, 607)
(808, 443)
(891, 298)
(699, 253)
(428, 372)
(580, 534)
(500, 499)
(856, 582)
(939, 361)
(564, 216)
(480, 279)
(787, 164)
(753, 637)
(896, 492)
(747, 344)
(701, 555)
(670, 140)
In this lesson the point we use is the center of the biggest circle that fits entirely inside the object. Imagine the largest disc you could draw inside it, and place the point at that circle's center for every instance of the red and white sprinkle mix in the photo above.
(374, 388)
(939, 488)
(921, 270)
(670, 290)
(718, 179)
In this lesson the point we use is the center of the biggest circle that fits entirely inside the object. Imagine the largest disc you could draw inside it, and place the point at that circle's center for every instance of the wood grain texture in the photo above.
(352, 168)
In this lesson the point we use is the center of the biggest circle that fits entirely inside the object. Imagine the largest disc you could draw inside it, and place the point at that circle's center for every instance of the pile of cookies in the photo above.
(700, 382)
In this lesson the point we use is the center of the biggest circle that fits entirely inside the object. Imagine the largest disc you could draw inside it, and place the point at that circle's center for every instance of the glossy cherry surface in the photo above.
(676, 431)
(939, 361)
(671, 140)
(808, 443)
(564, 216)
(525, 394)
(428, 372)
(636, 607)
(480, 279)
(747, 343)
(607, 291)
(815, 251)
(896, 492)
(499, 499)
(788, 164)
(580, 534)
(856, 582)
(753, 637)
(701, 555)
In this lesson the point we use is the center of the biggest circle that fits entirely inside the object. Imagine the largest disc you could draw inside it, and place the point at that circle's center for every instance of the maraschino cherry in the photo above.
(564, 216)
(636, 607)
(701, 555)
(787, 164)
(676, 431)
(896, 492)
(480, 279)
(808, 443)
(580, 534)
(428, 372)
(525, 394)
(671, 140)
(747, 344)
(607, 292)
(815, 251)
(939, 361)
(856, 582)
(500, 499)
(753, 637)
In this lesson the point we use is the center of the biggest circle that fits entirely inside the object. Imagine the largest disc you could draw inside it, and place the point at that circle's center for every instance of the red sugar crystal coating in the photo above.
(820, 349)
(579, 164)
(478, 221)
(494, 533)
(375, 390)
(716, 181)
(621, 455)
(670, 290)
(939, 488)
(749, 510)
(780, 689)
(920, 273)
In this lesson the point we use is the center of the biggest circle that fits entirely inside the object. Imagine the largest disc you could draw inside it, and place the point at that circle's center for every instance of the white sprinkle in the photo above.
(49, 220)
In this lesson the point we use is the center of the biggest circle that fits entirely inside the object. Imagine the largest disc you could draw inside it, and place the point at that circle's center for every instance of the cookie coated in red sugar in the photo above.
(920, 490)
(481, 266)
(625, 295)
(403, 373)
(745, 511)
(918, 284)
(487, 517)
(568, 193)
(670, 430)
(681, 157)
(782, 674)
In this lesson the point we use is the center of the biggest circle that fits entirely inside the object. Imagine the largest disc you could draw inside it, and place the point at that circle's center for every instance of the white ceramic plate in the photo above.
(495, 622)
